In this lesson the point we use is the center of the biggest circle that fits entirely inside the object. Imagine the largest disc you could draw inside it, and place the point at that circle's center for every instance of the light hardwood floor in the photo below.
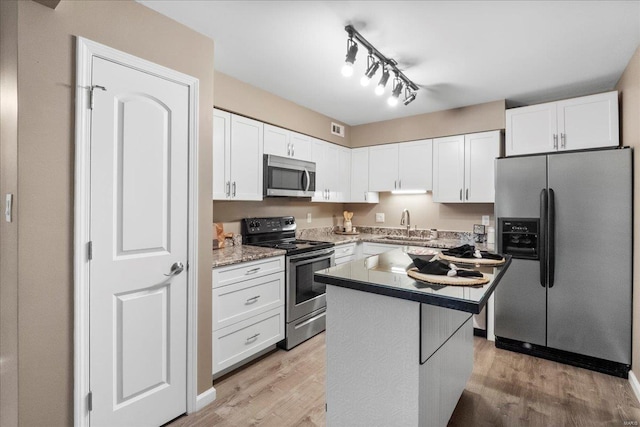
(506, 389)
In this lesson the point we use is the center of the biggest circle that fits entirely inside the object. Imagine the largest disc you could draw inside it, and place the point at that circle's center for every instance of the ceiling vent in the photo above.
(337, 129)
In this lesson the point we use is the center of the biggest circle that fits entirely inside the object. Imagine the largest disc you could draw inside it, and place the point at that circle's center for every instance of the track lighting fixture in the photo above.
(395, 94)
(374, 60)
(352, 51)
(409, 96)
(383, 81)
(372, 67)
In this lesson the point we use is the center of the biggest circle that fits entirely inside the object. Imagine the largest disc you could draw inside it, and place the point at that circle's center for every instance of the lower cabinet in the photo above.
(345, 253)
(248, 311)
(369, 248)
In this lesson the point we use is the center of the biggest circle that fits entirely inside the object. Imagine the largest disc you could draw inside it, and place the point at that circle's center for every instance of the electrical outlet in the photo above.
(485, 219)
(379, 217)
(309, 217)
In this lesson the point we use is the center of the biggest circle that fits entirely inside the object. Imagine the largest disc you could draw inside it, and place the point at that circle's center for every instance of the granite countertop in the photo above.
(385, 274)
(242, 253)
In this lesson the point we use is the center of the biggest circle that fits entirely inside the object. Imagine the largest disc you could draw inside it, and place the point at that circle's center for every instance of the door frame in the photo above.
(85, 51)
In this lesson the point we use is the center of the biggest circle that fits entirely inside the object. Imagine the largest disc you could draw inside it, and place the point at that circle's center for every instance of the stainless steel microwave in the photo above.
(284, 176)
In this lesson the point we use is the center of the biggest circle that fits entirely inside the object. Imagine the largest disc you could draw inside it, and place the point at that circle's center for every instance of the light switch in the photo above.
(485, 219)
(309, 217)
(379, 217)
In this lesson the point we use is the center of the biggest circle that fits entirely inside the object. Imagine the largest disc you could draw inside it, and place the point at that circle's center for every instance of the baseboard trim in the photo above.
(635, 385)
(205, 398)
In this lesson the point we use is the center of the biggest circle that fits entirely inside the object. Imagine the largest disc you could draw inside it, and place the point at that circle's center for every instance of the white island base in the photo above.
(392, 361)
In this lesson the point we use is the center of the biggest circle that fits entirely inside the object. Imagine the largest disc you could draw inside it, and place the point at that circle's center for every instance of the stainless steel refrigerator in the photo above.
(567, 220)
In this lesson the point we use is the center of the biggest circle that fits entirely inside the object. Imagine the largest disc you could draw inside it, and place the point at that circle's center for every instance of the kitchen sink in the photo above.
(407, 239)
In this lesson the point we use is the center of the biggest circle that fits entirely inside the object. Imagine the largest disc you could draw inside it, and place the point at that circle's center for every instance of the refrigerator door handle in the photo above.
(552, 236)
(542, 244)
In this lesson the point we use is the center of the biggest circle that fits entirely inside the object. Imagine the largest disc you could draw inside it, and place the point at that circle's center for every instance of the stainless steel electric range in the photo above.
(305, 298)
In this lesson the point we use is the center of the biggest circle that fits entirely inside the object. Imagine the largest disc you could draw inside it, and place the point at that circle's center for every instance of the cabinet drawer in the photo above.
(345, 259)
(246, 270)
(345, 250)
(245, 299)
(241, 340)
(369, 248)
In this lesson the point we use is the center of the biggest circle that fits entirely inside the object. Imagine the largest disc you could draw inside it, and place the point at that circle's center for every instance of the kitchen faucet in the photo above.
(406, 220)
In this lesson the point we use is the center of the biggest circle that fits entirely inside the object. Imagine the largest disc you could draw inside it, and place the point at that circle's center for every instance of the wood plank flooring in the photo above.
(506, 389)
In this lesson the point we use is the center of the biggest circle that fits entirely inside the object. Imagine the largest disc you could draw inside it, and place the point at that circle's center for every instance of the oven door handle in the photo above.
(316, 257)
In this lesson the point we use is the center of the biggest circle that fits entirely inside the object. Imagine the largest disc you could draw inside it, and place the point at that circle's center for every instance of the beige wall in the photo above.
(46, 91)
(322, 214)
(238, 97)
(8, 231)
(629, 88)
(424, 212)
(474, 118)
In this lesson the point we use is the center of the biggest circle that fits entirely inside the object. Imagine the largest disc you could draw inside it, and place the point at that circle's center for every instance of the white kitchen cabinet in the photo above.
(371, 248)
(248, 311)
(333, 164)
(463, 167)
(237, 157)
(360, 177)
(286, 143)
(572, 124)
(345, 253)
(401, 166)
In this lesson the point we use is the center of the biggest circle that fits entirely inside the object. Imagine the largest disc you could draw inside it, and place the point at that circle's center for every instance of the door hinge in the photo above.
(90, 401)
(91, 89)
(90, 250)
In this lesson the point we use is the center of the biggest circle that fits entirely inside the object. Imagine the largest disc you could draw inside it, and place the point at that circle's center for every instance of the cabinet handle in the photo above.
(227, 190)
(253, 337)
(400, 183)
(467, 194)
(234, 189)
(293, 150)
(555, 141)
(252, 271)
(395, 184)
(252, 300)
(365, 196)
(461, 194)
(563, 140)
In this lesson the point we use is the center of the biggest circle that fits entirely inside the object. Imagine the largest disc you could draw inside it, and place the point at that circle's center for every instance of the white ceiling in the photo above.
(459, 52)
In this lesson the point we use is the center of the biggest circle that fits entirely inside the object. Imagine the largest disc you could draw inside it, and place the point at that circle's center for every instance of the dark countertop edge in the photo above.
(417, 296)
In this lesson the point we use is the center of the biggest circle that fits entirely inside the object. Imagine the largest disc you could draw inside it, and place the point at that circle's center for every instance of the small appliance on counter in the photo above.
(305, 304)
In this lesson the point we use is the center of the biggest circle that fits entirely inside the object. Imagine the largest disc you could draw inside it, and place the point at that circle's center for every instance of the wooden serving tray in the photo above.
(479, 261)
(447, 280)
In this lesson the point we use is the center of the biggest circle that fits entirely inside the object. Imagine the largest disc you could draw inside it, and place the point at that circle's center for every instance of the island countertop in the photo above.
(385, 274)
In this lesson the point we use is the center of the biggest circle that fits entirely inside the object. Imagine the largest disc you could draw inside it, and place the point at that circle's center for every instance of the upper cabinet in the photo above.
(237, 157)
(572, 124)
(463, 167)
(333, 171)
(401, 166)
(285, 143)
(360, 177)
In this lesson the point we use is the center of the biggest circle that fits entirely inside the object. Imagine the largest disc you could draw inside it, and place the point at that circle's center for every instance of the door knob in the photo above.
(176, 269)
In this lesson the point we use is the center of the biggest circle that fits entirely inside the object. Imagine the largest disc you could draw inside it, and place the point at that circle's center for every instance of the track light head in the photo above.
(383, 82)
(372, 67)
(395, 94)
(409, 96)
(352, 51)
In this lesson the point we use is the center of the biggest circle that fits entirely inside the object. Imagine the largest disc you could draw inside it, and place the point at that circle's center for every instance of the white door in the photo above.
(480, 152)
(448, 169)
(221, 154)
(139, 196)
(383, 167)
(532, 129)
(277, 141)
(246, 164)
(415, 165)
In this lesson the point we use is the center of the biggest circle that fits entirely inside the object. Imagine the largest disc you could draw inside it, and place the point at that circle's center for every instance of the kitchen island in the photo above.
(399, 351)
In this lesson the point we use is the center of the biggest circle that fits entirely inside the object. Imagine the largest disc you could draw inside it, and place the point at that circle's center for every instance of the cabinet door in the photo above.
(383, 167)
(588, 122)
(331, 164)
(300, 146)
(318, 157)
(277, 141)
(246, 158)
(448, 169)
(531, 129)
(480, 151)
(344, 174)
(221, 156)
(360, 177)
(415, 165)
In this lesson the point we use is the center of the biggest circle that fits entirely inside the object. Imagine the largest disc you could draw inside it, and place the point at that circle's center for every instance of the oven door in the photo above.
(305, 295)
